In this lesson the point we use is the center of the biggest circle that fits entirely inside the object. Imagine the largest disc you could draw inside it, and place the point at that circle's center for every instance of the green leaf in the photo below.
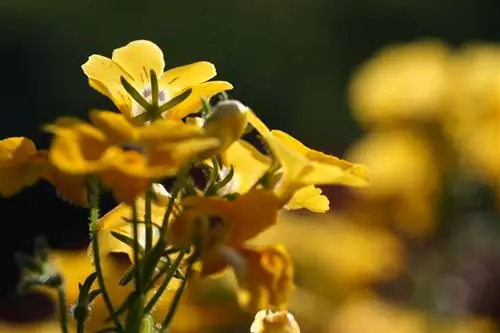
(154, 88)
(125, 239)
(93, 294)
(134, 93)
(174, 101)
(85, 288)
(128, 277)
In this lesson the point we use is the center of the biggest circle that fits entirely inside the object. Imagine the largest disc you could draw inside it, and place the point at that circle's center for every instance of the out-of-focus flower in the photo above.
(221, 229)
(369, 314)
(302, 167)
(274, 322)
(126, 157)
(134, 62)
(401, 83)
(22, 165)
(474, 123)
(342, 255)
(405, 179)
(44, 326)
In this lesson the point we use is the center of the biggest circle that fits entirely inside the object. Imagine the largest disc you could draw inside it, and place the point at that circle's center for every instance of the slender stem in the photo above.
(152, 302)
(137, 270)
(80, 326)
(175, 302)
(148, 221)
(175, 192)
(94, 217)
(63, 309)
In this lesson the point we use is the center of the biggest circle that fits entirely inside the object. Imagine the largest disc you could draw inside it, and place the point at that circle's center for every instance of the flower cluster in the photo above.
(223, 192)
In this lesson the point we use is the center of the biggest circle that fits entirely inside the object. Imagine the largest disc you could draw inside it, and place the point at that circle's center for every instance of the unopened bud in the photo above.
(268, 321)
(227, 122)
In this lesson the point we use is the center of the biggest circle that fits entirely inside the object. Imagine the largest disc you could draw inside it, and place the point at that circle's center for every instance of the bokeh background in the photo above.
(417, 252)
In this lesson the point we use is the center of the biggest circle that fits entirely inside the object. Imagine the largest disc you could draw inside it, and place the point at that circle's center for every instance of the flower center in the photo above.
(163, 97)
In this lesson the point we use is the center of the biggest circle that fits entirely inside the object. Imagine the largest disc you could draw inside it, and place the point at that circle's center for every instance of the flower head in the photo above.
(126, 157)
(134, 62)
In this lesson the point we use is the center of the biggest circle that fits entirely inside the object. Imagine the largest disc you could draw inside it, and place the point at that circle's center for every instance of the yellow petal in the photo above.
(18, 168)
(268, 321)
(267, 280)
(76, 147)
(117, 128)
(166, 130)
(309, 197)
(192, 104)
(15, 150)
(104, 76)
(251, 214)
(248, 163)
(325, 169)
(180, 78)
(138, 58)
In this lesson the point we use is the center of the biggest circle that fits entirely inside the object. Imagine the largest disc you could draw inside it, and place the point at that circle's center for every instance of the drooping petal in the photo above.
(193, 104)
(138, 58)
(180, 78)
(104, 76)
(324, 169)
(309, 197)
(16, 150)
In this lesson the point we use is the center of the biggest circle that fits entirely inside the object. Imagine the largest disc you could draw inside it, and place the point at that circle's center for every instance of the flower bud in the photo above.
(267, 321)
(227, 122)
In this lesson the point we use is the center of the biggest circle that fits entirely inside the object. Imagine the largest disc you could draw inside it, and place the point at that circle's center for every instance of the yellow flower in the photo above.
(408, 82)
(221, 228)
(302, 168)
(127, 158)
(405, 181)
(474, 124)
(134, 62)
(22, 165)
(274, 322)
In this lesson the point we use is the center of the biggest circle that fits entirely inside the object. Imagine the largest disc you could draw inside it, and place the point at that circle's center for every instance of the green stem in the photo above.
(152, 302)
(80, 326)
(175, 302)
(94, 217)
(63, 309)
(148, 221)
(178, 185)
(137, 270)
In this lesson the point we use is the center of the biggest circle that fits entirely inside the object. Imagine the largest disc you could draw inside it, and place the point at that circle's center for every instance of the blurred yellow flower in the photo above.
(44, 326)
(405, 180)
(126, 158)
(342, 254)
(22, 165)
(474, 124)
(274, 322)
(403, 82)
(369, 314)
(134, 62)
(302, 167)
